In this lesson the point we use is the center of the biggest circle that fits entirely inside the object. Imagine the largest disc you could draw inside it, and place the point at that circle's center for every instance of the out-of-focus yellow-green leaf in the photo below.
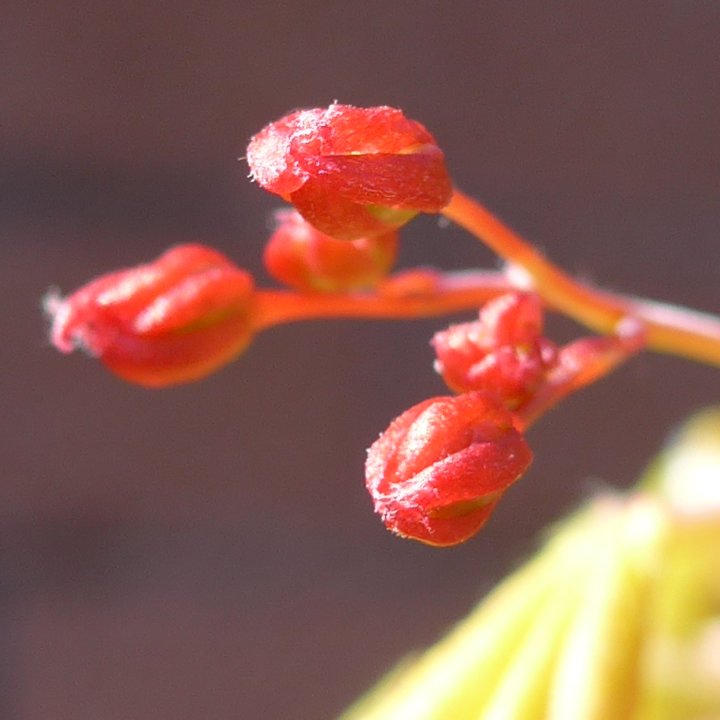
(596, 677)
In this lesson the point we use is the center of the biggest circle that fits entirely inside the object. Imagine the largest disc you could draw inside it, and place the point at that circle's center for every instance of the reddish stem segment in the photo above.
(668, 328)
(412, 294)
(582, 363)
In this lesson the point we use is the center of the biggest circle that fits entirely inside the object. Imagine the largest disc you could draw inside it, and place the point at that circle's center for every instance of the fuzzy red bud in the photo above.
(300, 256)
(351, 172)
(170, 321)
(437, 472)
(503, 351)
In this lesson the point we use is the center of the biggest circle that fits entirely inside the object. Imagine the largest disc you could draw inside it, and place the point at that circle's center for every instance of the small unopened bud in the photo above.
(439, 470)
(302, 257)
(170, 321)
(351, 172)
(503, 351)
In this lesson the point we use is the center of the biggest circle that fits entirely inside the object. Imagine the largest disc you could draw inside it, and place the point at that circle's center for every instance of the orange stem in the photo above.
(412, 294)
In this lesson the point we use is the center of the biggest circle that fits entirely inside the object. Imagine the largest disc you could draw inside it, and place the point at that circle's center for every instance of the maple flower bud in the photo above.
(302, 257)
(170, 321)
(503, 351)
(437, 472)
(351, 172)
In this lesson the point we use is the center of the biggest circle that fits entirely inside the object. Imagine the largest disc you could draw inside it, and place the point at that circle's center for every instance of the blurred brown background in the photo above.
(210, 551)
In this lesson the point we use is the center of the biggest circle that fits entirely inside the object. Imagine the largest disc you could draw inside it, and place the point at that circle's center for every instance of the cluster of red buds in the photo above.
(355, 176)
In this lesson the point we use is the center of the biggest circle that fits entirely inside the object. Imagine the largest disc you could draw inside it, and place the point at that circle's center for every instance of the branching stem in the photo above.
(668, 328)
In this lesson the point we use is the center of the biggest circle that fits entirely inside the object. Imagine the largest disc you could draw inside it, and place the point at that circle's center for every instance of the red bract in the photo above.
(436, 474)
(351, 172)
(503, 351)
(169, 321)
(302, 257)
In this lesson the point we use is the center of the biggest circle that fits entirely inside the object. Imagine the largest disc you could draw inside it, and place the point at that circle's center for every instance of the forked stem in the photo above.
(668, 328)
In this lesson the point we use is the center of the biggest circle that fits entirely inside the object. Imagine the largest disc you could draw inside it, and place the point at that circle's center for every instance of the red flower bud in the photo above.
(302, 257)
(351, 172)
(503, 351)
(170, 321)
(436, 474)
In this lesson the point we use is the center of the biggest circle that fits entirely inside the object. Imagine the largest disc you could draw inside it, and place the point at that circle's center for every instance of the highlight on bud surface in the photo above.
(351, 172)
(170, 321)
(300, 256)
(503, 351)
(437, 472)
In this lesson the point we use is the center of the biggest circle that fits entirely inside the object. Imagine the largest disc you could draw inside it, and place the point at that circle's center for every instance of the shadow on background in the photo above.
(209, 551)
